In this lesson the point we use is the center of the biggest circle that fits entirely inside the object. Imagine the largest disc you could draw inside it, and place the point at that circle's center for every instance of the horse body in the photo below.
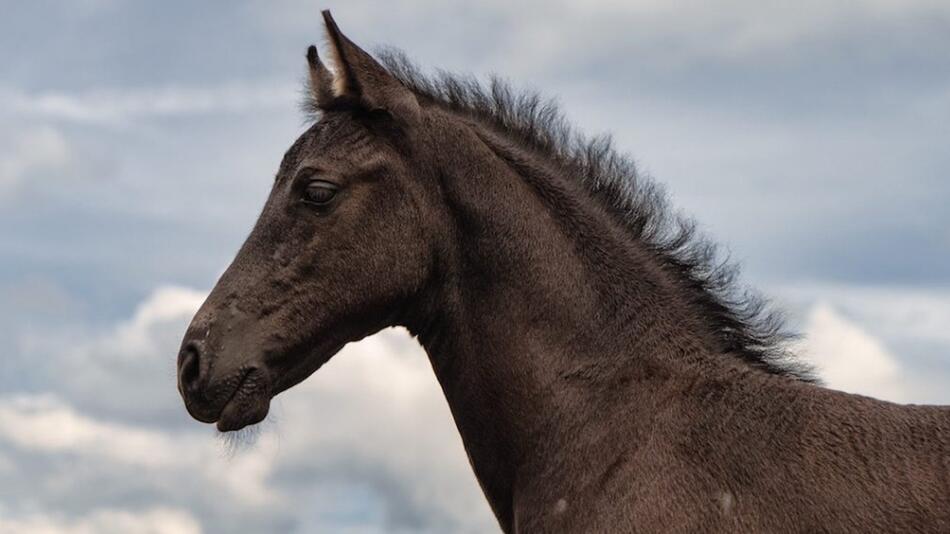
(601, 416)
(804, 461)
(601, 375)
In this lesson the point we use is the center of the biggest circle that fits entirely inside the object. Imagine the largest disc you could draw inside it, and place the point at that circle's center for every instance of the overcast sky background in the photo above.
(138, 142)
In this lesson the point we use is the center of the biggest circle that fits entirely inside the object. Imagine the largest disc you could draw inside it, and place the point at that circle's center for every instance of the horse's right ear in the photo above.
(358, 79)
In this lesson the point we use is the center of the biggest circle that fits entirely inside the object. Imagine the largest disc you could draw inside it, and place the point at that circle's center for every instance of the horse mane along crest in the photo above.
(742, 320)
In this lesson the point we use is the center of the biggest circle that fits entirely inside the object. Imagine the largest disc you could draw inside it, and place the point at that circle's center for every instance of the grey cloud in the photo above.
(909, 322)
(119, 106)
(106, 430)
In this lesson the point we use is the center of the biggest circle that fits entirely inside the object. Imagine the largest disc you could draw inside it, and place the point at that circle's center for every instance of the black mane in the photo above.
(745, 324)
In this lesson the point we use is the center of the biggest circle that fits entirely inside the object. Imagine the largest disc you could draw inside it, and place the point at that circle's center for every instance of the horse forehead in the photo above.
(331, 137)
(339, 131)
(342, 140)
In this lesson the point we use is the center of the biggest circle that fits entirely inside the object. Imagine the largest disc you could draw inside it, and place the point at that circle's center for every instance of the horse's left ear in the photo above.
(360, 79)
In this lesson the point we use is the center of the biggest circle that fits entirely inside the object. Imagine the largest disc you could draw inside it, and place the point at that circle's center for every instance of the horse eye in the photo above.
(320, 193)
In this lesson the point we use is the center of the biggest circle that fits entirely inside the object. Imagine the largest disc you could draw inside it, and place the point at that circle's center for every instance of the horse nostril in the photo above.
(189, 368)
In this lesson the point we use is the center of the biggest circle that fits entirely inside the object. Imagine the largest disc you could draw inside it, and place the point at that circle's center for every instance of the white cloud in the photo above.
(672, 35)
(35, 150)
(120, 105)
(373, 423)
(910, 324)
(918, 313)
(165, 304)
(376, 414)
(849, 358)
(107, 521)
(133, 360)
(46, 425)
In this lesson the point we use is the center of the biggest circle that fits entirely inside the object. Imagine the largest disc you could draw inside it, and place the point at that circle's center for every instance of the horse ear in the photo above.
(359, 78)
(321, 80)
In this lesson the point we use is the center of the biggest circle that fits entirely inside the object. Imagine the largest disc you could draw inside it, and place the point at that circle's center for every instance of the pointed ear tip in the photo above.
(336, 37)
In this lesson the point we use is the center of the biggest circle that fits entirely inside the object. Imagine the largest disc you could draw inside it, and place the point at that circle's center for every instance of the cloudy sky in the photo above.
(138, 142)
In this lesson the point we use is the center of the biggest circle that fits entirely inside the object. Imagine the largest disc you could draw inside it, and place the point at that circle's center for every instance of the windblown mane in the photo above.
(746, 326)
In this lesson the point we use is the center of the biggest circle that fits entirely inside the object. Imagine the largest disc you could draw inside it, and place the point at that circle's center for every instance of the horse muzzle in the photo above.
(213, 392)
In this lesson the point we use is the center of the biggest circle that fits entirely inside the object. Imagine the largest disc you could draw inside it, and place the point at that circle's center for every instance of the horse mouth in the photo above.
(248, 403)
(242, 397)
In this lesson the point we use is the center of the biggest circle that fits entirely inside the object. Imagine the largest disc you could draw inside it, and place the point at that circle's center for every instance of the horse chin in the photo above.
(243, 411)
(248, 405)
(250, 401)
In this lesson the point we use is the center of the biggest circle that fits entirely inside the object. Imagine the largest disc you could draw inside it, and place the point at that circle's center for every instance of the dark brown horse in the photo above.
(602, 372)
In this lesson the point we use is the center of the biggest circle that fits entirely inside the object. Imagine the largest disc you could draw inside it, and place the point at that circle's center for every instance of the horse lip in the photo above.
(240, 384)
(251, 408)
(274, 383)
(199, 412)
(201, 416)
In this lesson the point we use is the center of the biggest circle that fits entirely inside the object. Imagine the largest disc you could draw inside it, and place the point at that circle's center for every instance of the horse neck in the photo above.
(542, 307)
